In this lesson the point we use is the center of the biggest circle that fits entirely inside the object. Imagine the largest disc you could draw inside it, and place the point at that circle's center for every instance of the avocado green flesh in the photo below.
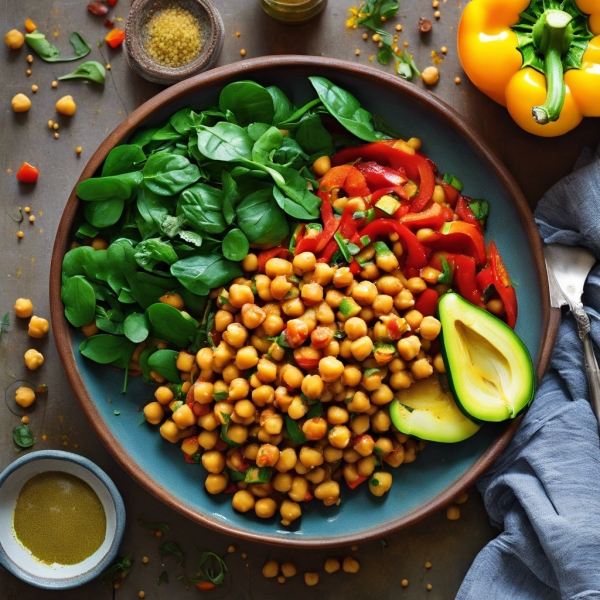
(489, 368)
(427, 412)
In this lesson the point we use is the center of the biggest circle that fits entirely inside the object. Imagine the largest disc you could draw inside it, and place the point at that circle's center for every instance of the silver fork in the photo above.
(568, 268)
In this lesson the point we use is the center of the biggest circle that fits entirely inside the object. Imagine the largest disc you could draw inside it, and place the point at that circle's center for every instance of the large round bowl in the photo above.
(441, 471)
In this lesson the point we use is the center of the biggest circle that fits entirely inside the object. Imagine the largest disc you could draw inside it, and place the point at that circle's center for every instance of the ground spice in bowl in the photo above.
(173, 36)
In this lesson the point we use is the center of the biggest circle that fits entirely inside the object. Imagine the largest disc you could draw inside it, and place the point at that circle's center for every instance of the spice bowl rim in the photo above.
(147, 68)
(71, 581)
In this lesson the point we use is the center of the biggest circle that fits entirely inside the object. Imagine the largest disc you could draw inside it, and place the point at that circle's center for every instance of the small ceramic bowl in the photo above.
(211, 27)
(18, 560)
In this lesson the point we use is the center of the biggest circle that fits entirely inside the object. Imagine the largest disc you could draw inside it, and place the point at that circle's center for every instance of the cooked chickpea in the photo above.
(14, 39)
(263, 287)
(237, 433)
(204, 358)
(364, 293)
(355, 328)
(66, 106)
(321, 166)
(213, 461)
(289, 511)
(90, 329)
(361, 348)
(323, 274)
(416, 285)
(170, 431)
(265, 508)
(360, 403)
(240, 295)
(278, 266)
(312, 293)
(174, 300)
(400, 380)
(332, 565)
(305, 261)
(413, 318)
(223, 319)
(312, 387)
(409, 347)
(439, 195)
(289, 569)
(297, 409)
(208, 439)
(343, 277)
(380, 421)
(246, 358)
(33, 359)
(154, 413)
(20, 103)
(389, 285)
(438, 363)
(250, 263)
(330, 368)
(215, 484)
(311, 457)
(38, 327)
(350, 565)
(421, 368)
(337, 415)
(294, 307)
(496, 307)
(339, 436)
(387, 262)
(24, 396)
(185, 362)
(184, 416)
(404, 300)
(327, 489)
(311, 578)
(282, 482)
(267, 456)
(287, 461)
(23, 308)
(430, 328)
(271, 569)
(380, 482)
(280, 287)
(453, 513)
(315, 429)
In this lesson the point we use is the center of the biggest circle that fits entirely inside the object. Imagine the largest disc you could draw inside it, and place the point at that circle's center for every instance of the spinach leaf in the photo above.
(167, 323)
(93, 264)
(91, 70)
(184, 120)
(171, 549)
(168, 174)
(164, 362)
(143, 137)
(346, 109)
(98, 189)
(154, 526)
(154, 208)
(136, 327)
(261, 220)
(80, 301)
(271, 140)
(153, 251)
(293, 208)
(230, 197)
(144, 356)
(110, 321)
(313, 138)
(173, 226)
(202, 272)
(291, 154)
(105, 213)
(166, 133)
(405, 65)
(107, 349)
(296, 118)
(23, 436)
(284, 109)
(203, 207)
(123, 159)
(45, 50)
(225, 142)
(256, 130)
(189, 236)
(235, 245)
(248, 101)
(147, 288)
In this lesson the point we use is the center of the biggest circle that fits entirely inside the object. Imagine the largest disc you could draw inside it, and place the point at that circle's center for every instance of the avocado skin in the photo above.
(451, 385)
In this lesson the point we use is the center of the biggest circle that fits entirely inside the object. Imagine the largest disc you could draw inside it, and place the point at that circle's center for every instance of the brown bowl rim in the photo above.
(63, 332)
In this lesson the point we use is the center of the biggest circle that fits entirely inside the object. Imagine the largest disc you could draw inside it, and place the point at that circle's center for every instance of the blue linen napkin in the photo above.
(543, 492)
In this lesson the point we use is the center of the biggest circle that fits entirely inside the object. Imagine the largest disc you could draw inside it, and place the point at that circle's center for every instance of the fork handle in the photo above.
(591, 364)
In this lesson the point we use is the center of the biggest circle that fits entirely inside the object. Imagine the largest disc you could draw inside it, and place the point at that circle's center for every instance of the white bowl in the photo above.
(18, 560)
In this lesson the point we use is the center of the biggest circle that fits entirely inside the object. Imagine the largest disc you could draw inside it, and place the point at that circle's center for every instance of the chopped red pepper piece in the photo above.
(308, 497)
(307, 363)
(328, 251)
(189, 459)
(426, 303)
(115, 37)
(206, 586)
(230, 489)
(434, 217)
(426, 187)
(344, 177)
(503, 285)
(354, 267)
(462, 269)
(451, 194)
(417, 256)
(465, 213)
(108, 23)
(266, 255)
(461, 238)
(221, 445)
(398, 190)
(377, 176)
(27, 173)
(357, 482)
(485, 278)
(111, 3)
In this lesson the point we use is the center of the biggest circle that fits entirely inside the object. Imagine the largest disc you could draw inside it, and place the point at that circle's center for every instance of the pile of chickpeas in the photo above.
(353, 364)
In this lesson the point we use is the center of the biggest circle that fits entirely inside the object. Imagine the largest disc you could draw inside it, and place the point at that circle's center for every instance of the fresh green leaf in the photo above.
(136, 327)
(80, 301)
(122, 160)
(270, 141)
(118, 570)
(405, 65)
(446, 275)
(23, 436)
(44, 49)
(248, 101)
(370, 372)
(220, 396)
(202, 272)
(212, 568)
(91, 70)
(481, 210)
(259, 474)
(225, 142)
(343, 247)
(235, 245)
(171, 549)
(164, 362)
(107, 349)
(261, 219)
(294, 432)
(168, 174)
(163, 578)
(313, 138)
(281, 104)
(151, 252)
(203, 207)
(224, 429)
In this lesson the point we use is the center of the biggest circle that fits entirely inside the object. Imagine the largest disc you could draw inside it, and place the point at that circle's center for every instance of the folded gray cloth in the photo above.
(543, 492)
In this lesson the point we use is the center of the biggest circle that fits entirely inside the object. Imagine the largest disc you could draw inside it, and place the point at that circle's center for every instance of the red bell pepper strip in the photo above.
(426, 303)
(398, 190)
(465, 213)
(355, 267)
(464, 276)
(266, 255)
(484, 279)
(451, 194)
(503, 285)
(206, 586)
(27, 173)
(377, 176)
(426, 186)
(111, 3)
(459, 237)
(328, 252)
(189, 459)
(344, 177)
(308, 497)
(357, 482)
(115, 37)
(417, 256)
(330, 225)
(221, 445)
(434, 217)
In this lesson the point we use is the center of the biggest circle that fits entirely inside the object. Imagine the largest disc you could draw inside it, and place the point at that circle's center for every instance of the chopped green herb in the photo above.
(365, 240)
(381, 249)
(116, 412)
(220, 396)
(153, 526)
(163, 578)
(118, 570)
(453, 181)
(370, 372)
(360, 214)
(446, 276)
(23, 436)
(223, 300)
(171, 549)
(374, 482)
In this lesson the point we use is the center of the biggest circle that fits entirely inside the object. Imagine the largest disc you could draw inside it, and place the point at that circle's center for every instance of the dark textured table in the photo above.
(536, 163)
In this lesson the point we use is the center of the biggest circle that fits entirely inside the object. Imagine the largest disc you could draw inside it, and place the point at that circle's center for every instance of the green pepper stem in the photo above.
(555, 31)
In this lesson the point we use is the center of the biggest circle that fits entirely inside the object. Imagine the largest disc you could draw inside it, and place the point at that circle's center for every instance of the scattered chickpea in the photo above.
(33, 359)
(29, 58)
(20, 234)
(34, 88)
(428, 565)
(55, 84)
(429, 587)
(398, 27)
(332, 565)
(405, 583)
(79, 150)
(430, 75)
(271, 569)
(231, 549)
(145, 560)
(244, 555)
(435, 3)
(444, 49)
(38, 327)
(350, 565)
(453, 513)
(20, 103)
(237, 34)
(108, 67)
(66, 106)
(14, 39)
(25, 420)
(457, 80)
(365, 36)
(242, 52)
(354, 548)
(311, 578)
(357, 52)
(24, 397)
(405, 44)
(376, 37)
(31, 218)
(23, 308)
(461, 498)
(142, 594)
(51, 123)
(55, 125)
(280, 579)
(56, 135)
(437, 14)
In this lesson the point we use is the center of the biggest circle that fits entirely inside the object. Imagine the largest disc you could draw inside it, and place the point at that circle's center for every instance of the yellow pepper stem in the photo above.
(552, 35)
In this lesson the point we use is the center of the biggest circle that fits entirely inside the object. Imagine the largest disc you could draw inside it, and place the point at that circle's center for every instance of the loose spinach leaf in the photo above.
(91, 70)
(146, 289)
(203, 207)
(167, 323)
(295, 433)
(142, 137)
(346, 109)
(80, 301)
(261, 220)
(296, 118)
(136, 327)
(123, 159)
(168, 174)
(202, 272)
(256, 130)
(154, 526)
(225, 142)
(98, 189)
(23, 436)
(295, 209)
(166, 133)
(173, 226)
(248, 101)
(235, 245)
(164, 362)
(45, 50)
(171, 549)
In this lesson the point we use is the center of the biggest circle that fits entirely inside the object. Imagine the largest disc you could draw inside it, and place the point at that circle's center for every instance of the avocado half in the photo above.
(489, 368)
(426, 411)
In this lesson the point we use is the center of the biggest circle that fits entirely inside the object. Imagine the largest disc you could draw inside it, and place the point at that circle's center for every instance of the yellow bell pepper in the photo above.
(539, 58)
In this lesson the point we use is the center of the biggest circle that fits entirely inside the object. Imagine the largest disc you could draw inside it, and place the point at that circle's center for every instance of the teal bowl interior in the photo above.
(418, 488)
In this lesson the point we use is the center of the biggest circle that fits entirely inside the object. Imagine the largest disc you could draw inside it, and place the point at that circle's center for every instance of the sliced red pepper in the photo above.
(108, 23)
(189, 459)
(377, 176)
(230, 489)
(451, 194)
(465, 213)
(307, 363)
(115, 37)
(201, 409)
(206, 586)
(27, 173)
(484, 279)
(503, 285)
(394, 328)
(459, 237)
(330, 223)
(426, 303)
(308, 497)
(266, 255)
(434, 217)
(464, 276)
(357, 482)
(426, 186)
(359, 438)
(417, 257)
(347, 178)
(355, 267)
(328, 251)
